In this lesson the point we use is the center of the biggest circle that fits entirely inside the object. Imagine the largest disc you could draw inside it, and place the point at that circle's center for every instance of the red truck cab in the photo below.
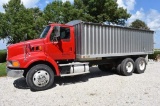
(55, 44)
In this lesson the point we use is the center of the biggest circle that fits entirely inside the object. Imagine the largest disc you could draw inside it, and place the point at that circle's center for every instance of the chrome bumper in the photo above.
(14, 73)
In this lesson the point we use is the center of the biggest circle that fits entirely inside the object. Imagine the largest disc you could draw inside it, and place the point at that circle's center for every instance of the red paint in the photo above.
(28, 52)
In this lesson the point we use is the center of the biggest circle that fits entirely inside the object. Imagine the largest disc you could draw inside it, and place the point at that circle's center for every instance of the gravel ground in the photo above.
(94, 89)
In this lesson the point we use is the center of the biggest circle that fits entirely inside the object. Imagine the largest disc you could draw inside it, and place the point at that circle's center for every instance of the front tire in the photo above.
(40, 77)
(140, 65)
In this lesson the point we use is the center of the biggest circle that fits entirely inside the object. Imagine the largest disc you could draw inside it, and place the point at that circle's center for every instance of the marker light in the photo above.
(15, 64)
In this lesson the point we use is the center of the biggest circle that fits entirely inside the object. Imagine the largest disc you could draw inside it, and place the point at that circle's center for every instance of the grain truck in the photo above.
(71, 49)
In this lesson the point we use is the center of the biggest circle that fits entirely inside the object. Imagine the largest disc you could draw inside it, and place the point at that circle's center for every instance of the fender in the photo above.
(55, 65)
(33, 57)
(51, 61)
(32, 61)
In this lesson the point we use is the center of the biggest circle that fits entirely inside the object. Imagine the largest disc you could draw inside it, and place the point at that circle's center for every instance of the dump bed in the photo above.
(94, 41)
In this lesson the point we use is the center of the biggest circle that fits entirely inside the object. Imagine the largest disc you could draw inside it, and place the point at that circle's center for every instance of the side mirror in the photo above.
(25, 37)
(57, 31)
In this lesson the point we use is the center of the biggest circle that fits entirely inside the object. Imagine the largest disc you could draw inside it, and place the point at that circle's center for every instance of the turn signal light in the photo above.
(15, 64)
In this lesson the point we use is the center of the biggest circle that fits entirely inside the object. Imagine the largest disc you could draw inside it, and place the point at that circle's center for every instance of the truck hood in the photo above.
(19, 48)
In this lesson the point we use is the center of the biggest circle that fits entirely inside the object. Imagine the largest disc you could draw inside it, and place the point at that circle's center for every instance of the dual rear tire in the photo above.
(128, 66)
(140, 65)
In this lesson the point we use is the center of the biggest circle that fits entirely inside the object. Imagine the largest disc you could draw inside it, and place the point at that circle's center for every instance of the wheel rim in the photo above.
(41, 78)
(142, 65)
(129, 67)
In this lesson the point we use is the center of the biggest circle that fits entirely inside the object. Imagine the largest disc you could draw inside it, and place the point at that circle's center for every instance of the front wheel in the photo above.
(40, 77)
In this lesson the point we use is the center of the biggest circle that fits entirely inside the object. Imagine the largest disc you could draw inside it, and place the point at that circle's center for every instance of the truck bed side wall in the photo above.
(96, 40)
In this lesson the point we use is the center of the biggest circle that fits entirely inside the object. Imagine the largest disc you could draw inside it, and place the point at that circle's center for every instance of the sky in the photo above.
(145, 10)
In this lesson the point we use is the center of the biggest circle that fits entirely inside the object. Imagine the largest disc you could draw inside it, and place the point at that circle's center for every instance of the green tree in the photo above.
(53, 12)
(139, 24)
(60, 12)
(38, 20)
(74, 12)
(86, 10)
(105, 10)
(18, 21)
(81, 11)
(3, 30)
(69, 12)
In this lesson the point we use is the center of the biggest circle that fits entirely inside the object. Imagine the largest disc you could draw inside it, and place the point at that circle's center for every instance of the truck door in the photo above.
(61, 47)
(65, 42)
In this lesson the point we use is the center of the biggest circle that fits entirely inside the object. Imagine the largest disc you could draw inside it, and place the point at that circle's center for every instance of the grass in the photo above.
(2, 51)
(3, 69)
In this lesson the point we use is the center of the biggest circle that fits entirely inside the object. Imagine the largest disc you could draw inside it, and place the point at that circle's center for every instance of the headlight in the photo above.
(13, 64)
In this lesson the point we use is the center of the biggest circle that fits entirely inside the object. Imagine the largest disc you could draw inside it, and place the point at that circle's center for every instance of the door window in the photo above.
(64, 33)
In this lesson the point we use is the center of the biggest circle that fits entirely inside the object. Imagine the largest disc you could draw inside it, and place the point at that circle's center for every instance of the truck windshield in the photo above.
(45, 31)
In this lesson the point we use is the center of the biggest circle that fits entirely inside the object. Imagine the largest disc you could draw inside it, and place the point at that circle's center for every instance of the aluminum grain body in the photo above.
(97, 40)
